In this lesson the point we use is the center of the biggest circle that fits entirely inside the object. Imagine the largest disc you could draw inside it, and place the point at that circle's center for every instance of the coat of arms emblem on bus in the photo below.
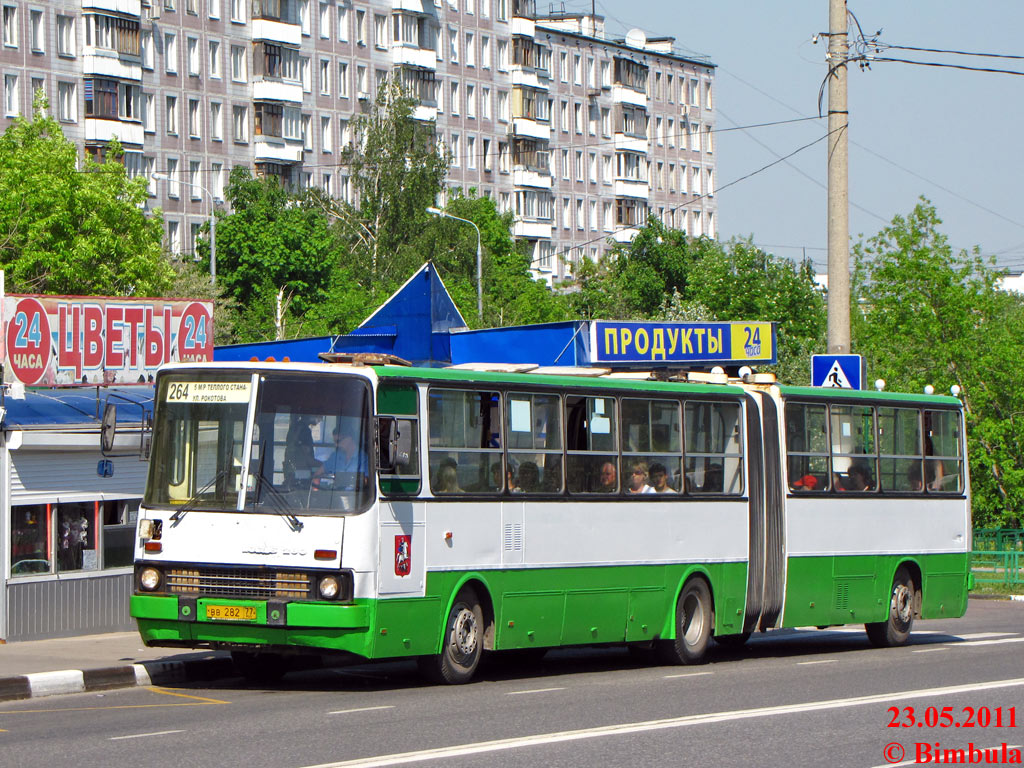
(403, 559)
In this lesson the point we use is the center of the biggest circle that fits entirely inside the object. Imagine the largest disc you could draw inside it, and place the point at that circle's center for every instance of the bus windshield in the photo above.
(309, 442)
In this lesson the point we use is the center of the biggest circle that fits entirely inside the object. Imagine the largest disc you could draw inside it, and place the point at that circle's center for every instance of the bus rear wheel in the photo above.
(694, 623)
(896, 629)
(463, 642)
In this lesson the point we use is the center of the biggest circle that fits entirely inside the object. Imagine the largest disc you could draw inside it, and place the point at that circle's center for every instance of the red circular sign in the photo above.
(195, 334)
(28, 341)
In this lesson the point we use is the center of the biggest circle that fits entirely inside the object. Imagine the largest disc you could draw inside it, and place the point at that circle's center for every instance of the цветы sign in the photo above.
(61, 340)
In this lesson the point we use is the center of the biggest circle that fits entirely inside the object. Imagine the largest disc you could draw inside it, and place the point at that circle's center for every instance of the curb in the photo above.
(68, 681)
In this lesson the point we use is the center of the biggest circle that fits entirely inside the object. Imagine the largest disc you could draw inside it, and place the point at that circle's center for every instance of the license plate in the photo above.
(231, 612)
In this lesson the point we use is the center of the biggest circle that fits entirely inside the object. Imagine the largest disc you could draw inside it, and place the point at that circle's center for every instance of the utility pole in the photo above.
(838, 183)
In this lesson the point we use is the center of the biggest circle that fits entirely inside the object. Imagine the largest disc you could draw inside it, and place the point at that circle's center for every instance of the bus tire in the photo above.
(260, 668)
(694, 624)
(732, 641)
(896, 629)
(463, 642)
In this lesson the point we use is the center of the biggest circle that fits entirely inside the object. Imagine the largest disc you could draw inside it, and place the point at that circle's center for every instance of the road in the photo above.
(793, 698)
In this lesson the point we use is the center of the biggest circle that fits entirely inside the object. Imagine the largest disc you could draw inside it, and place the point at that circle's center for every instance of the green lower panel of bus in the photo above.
(538, 607)
(855, 589)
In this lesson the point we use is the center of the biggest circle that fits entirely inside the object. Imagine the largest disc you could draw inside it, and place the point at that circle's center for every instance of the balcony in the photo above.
(424, 58)
(523, 176)
(632, 188)
(128, 7)
(101, 130)
(529, 128)
(109, 64)
(273, 89)
(622, 94)
(532, 229)
(275, 149)
(276, 32)
(630, 143)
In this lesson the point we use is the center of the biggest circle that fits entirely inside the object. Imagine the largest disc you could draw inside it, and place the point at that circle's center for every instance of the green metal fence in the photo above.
(998, 557)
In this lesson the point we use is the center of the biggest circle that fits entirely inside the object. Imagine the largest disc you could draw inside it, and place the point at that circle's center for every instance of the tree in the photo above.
(275, 255)
(929, 315)
(396, 171)
(511, 294)
(65, 229)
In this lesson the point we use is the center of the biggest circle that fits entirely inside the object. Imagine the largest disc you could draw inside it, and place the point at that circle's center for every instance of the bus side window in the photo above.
(465, 440)
(807, 447)
(943, 465)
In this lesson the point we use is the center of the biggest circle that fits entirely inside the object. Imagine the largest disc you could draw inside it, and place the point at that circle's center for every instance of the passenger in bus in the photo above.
(659, 479)
(447, 480)
(529, 478)
(935, 474)
(348, 461)
(638, 475)
(806, 483)
(858, 477)
(299, 460)
(608, 478)
(914, 477)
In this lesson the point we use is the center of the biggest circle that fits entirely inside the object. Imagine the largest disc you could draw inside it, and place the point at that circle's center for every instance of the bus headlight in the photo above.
(149, 579)
(329, 587)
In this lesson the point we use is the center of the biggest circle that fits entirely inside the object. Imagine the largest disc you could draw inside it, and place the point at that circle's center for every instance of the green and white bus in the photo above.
(381, 511)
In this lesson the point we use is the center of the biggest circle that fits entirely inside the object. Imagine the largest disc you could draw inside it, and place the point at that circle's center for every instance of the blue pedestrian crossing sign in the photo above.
(839, 371)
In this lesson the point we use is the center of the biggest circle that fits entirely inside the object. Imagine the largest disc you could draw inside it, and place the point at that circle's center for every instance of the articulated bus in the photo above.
(379, 511)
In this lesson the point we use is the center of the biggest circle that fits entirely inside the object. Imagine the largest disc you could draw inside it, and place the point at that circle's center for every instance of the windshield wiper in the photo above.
(277, 499)
(193, 502)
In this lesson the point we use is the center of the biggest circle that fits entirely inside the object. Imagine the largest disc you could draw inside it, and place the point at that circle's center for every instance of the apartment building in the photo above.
(579, 133)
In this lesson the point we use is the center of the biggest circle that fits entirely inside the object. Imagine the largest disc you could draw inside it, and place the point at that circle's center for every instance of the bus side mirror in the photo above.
(387, 443)
(108, 428)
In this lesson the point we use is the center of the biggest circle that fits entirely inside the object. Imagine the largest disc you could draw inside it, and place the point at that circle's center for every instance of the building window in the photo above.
(11, 26)
(216, 121)
(215, 59)
(192, 46)
(470, 100)
(173, 186)
(456, 151)
(325, 77)
(172, 115)
(343, 23)
(342, 79)
(194, 119)
(470, 50)
(11, 97)
(360, 27)
(326, 139)
(101, 98)
(380, 31)
(38, 33)
(238, 11)
(485, 52)
(171, 52)
(471, 152)
(67, 102)
(174, 237)
(149, 113)
(240, 124)
(146, 49)
(195, 189)
(503, 55)
(238, 63)
(65, 35)
(268, 119)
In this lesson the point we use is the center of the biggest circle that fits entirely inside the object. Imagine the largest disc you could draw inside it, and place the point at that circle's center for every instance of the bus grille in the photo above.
(238, 582)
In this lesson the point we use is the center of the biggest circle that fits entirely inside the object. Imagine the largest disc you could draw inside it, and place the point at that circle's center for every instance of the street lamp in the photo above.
(213, 220)
(479, 260)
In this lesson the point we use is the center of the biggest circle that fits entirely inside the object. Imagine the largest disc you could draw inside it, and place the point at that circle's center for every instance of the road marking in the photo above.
(360, 709)
(929, 650)
(914, 762)
(202, 699)
(142, 735)
(687, 674)
(533, 690)
(462, 750)
(986, 635)
(819, 661)
(988, 642)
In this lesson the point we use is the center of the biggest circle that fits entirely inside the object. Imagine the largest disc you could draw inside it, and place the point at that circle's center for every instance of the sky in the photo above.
(941, 133)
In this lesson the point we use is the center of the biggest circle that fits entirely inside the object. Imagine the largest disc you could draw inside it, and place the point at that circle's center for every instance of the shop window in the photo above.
(29, 537)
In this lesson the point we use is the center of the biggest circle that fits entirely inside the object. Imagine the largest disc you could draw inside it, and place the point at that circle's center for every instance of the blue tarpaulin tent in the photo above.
(413, 324)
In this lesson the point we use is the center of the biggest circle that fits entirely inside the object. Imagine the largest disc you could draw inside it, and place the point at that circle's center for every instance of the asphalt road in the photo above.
(804, 698)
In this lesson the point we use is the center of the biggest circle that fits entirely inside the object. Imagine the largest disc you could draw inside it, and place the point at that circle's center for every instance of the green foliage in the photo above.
(396, 171)
(274, 256)
(65, 230)
(929, 315)
(511, 295)
(665, 275)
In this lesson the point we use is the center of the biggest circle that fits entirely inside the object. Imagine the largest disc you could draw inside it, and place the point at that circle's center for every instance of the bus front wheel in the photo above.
(463, 642)
(694, 623)
(896, 630)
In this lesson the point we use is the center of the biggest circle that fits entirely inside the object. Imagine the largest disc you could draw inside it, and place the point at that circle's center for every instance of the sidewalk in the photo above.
(99, 662)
